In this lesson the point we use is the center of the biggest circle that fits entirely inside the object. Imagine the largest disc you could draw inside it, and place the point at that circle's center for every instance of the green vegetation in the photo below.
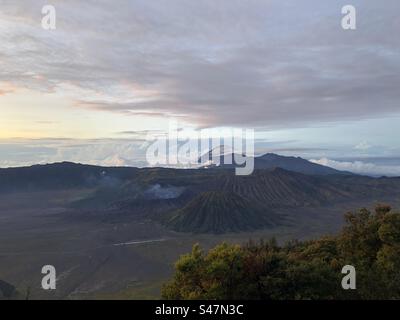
(298, 270)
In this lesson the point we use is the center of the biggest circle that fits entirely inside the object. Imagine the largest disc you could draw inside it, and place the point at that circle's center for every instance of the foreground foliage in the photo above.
(298, 270)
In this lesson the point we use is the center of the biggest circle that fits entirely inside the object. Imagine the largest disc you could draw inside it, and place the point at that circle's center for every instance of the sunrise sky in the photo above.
(113, 71)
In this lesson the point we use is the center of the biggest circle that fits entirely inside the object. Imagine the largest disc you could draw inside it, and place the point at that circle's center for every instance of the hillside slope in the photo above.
(220, 212)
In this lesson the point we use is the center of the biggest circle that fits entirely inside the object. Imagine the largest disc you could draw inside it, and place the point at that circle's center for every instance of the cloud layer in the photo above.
(361, 167)
(271, 63)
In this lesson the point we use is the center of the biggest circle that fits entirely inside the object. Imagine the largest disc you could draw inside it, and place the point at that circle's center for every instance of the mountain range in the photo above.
(217, 156)
(204, 200)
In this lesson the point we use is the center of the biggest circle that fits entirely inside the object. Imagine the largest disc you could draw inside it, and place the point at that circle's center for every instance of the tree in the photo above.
(299, 270)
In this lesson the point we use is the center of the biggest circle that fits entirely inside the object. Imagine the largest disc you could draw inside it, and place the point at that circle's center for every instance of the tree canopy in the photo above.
(369, 241)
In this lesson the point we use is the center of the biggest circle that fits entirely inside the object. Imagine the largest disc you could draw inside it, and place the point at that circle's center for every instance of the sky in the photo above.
(112, 72)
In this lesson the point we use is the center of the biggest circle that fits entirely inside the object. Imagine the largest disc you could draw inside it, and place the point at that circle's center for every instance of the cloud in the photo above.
(104, 152)
(3, 92)
(275, 63)
(6, 87)
(360, 167)
(46, 122)
(363, 146)
(131, 151)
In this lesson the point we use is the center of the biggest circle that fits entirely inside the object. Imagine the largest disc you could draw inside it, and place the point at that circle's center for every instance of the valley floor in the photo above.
(127, 259)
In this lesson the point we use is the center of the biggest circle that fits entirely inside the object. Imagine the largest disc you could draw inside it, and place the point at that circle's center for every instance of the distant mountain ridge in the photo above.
(212, 200)
(270, 161)
(295, 164)
(69, 174)
(60, 176)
